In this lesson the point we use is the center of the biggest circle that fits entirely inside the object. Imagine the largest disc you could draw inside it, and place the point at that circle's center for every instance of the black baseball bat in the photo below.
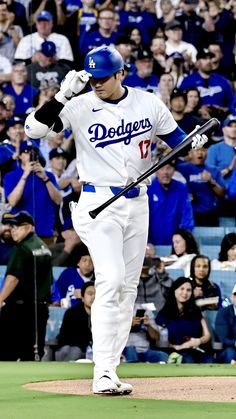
(209, 126)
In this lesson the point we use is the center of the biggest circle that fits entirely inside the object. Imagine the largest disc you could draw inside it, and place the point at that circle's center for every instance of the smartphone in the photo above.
(140, 312)
(33, 155)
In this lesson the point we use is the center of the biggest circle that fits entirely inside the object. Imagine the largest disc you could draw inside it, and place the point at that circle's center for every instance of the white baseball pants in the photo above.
(117, 241)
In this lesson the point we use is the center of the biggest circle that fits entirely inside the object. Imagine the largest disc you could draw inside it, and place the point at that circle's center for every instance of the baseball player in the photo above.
(113, 127)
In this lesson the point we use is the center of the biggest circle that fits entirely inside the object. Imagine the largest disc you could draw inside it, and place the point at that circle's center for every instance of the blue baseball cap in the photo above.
(44, 15)
(57, 152)
(48, 48)
(14, 121)
(229, 120)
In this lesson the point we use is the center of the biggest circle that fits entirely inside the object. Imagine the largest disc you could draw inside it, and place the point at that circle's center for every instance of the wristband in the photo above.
(47, 180)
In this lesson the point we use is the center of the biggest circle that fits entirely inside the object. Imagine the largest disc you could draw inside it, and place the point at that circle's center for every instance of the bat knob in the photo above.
(93, 214)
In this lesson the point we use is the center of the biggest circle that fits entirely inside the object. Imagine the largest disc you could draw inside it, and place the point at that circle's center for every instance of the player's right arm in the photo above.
(45, 121)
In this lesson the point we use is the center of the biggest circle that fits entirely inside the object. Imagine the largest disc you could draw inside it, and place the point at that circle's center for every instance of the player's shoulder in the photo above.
(140, 94)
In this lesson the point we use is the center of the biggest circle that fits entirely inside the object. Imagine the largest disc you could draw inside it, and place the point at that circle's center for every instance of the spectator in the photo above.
(154, 283)
(187, 328)
(5, 69)
(46, 68)
(207, 294)
(10, 103)
(217, 61)
(169, 206)
(225, 327)
(193, 102)
(26, 291)
(132, 16)
(178, 103)
(10, 148)
(65, 252)
(135, 35)
(75, 332)
(184, 248)
(6, 240)
(227, 255)
(167, 12)
(125, 47)
(30, 187)
(222, 156)
(206, 187)
(224, 30)
(19, 11)
(175, 43)
(176, 65)
(57, 9)
(104, 35)
(31, 44)
(3, 120)
(69, 186)
(144, 331)
(197, 28)
(165, 87)
(22, 91)
(10, 34)
(144, 77)
(72, 279)
(158, 49)
(215, 90)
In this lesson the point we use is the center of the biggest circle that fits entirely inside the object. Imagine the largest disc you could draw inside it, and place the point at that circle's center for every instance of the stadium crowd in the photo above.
(185, 53)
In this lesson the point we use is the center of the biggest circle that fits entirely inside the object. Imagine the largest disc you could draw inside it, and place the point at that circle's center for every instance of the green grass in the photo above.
(19, 403)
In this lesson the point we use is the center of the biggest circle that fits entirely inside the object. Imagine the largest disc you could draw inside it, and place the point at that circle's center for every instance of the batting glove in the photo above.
(199, 140)
(73, 83)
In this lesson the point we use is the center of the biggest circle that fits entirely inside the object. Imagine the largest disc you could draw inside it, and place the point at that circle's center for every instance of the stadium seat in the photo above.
(162, 250)
(210, 250)
(175, 273)
(226, 280)
(227, 221)
(209, 235)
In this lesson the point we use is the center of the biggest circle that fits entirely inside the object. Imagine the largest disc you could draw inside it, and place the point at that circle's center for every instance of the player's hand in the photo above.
(73, 83)
(199, 140)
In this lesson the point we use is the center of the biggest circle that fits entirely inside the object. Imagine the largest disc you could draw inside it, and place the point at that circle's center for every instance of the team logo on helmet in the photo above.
(92, 63)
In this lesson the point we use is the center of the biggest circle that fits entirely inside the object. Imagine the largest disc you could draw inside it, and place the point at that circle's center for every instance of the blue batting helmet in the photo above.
(103, 62)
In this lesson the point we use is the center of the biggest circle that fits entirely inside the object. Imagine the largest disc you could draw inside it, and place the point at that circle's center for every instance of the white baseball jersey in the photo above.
(30, 44)
(113, 140)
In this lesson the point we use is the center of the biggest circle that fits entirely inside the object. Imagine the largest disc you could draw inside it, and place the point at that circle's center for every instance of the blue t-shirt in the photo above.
(220, 156)
(214, 91)
(94, 39)
(168, 210)
(204, 200)
(149, 83)
(146, 22)
(69, 280)
(35, 199)
(181, 329)
(24, 100)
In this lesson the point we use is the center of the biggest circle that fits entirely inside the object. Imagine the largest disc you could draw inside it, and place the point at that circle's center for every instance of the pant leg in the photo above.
(68, 353)
(156, 356)
(227, 355)
(130, 354)
(135, 242)
(106, 238)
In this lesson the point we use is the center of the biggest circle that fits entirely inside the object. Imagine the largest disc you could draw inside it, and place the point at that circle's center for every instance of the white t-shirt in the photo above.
(30, 44)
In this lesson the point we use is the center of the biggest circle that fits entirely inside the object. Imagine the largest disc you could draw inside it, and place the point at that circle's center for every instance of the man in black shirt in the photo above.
(25, 294)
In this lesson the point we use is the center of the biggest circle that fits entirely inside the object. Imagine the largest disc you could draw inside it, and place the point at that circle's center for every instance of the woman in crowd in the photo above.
(184, 248)
(188, 332)
(227, 255)
(207, 294)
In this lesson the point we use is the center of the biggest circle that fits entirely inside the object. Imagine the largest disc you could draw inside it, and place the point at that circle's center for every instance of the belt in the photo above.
(132, 193)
